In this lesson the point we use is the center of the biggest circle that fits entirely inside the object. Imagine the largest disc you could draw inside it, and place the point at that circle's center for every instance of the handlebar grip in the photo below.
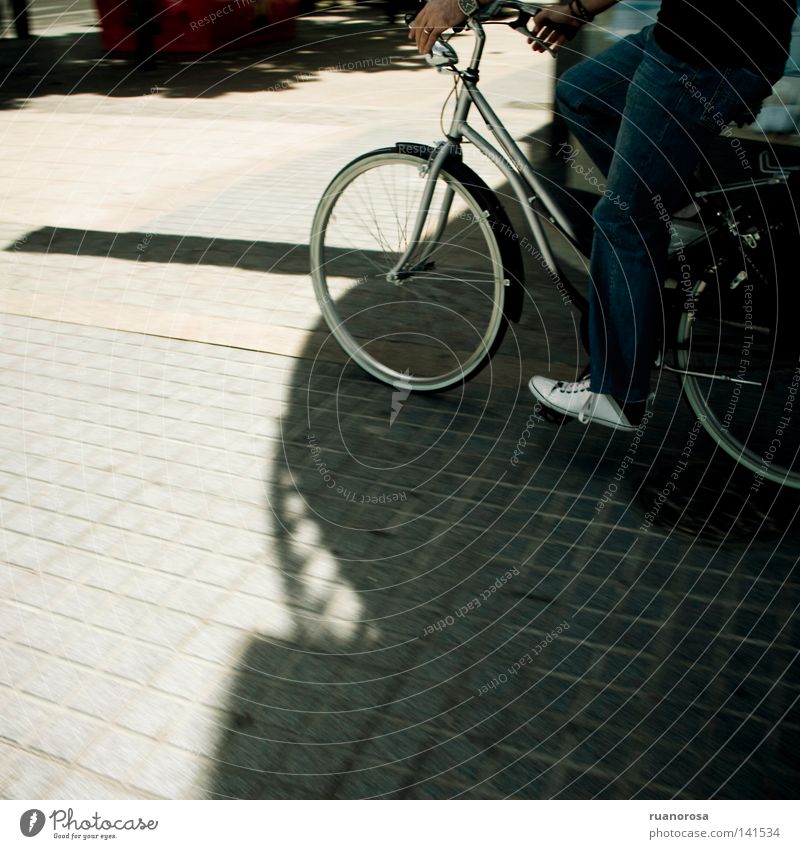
(522, 21)
(521, 26)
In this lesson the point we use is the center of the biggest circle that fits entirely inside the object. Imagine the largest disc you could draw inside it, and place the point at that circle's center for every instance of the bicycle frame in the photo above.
(526, 184)
(704, 341)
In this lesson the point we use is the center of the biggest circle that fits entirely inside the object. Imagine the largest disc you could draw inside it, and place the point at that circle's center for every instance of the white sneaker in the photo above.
(577, 401)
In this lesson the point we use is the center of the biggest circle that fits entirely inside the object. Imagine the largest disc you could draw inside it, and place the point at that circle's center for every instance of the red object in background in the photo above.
(197, 26)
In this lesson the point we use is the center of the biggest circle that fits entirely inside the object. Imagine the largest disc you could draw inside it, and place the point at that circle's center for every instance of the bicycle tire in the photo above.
(747, 422)
(501, 251)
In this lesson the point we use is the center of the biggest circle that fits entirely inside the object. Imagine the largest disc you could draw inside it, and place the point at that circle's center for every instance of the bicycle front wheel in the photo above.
(440, 323)
(744, 357)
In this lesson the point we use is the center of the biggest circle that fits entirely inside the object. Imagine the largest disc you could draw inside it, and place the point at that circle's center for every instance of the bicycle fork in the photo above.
(525, 185)
(430, 170)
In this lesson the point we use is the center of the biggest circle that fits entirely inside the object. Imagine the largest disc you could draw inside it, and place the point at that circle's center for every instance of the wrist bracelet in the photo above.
(580, 11)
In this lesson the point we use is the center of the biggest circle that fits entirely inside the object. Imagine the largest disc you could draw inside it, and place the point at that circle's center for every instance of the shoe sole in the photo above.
(602, 422)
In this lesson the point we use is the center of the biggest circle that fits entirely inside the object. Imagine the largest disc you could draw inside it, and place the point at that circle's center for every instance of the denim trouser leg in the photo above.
(645, 117)
(591, 96)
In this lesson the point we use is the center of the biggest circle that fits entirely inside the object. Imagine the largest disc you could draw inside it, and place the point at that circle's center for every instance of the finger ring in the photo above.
(428, 30)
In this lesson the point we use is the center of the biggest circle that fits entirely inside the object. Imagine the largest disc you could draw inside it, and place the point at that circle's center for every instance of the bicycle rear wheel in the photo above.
(742, 336)
(441, 324)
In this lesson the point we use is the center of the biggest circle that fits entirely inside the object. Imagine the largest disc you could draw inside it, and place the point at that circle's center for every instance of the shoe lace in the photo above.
(581, 385)
(585, 413)
(576, 386)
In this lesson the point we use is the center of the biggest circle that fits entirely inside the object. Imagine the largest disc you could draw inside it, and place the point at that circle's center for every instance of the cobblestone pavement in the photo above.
(189, 608)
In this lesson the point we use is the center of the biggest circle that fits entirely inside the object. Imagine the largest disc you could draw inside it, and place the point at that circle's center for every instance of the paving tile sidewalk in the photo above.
(188, 610)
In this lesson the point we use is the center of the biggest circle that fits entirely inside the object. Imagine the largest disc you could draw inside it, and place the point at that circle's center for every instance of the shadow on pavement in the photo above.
(345, 39)
(467, 627)
(267, 257)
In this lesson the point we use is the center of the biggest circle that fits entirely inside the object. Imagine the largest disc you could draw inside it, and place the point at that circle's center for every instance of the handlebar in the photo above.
(498, 9)
(529, 10)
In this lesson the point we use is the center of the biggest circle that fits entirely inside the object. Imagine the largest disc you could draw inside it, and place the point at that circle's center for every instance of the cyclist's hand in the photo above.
(436, 17)
(555, 25)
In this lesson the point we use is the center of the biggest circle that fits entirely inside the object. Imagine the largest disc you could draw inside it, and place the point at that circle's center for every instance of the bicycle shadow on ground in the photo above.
(547, 340)
(467, 626)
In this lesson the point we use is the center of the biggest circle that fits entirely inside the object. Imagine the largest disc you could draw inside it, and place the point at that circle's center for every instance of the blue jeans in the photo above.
(645, 118)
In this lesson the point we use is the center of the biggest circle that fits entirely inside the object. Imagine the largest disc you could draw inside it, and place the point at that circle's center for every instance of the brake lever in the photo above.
(521, 26)
(522, 21)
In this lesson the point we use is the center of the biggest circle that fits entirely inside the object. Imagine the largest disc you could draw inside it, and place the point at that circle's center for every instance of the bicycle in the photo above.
(410, 240)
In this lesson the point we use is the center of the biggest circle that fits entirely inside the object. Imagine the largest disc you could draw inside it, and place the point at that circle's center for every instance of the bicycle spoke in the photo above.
(750, 411)
(444, 314)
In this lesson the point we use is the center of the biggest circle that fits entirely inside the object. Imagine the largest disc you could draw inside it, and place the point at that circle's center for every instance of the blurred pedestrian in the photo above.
(146, 27)
(19, 9)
